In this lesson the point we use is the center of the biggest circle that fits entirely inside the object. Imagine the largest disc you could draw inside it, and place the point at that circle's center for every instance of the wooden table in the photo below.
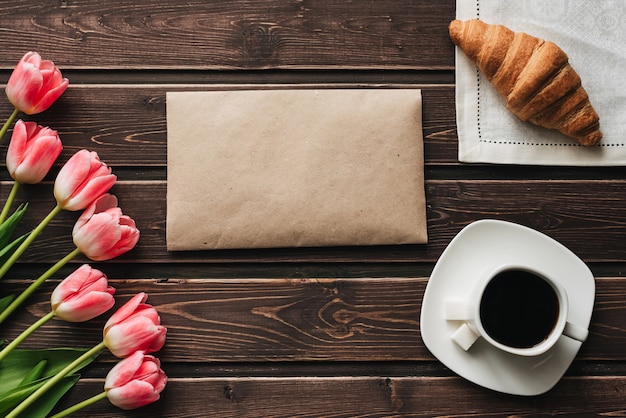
(311, 331)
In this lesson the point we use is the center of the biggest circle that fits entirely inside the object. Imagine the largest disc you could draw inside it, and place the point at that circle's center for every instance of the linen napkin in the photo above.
(593, 36)
(292, 168)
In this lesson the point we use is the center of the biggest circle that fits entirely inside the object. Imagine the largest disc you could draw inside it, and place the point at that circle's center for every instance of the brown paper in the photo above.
(291, 168)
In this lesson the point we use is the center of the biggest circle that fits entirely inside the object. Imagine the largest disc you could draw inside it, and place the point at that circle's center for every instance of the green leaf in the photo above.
(44, 404)
(20, 367)
(9, 249)
(7, 228)
(47, 402)
(20, 363)
(14, 397)
(6, 301)
(35, 373)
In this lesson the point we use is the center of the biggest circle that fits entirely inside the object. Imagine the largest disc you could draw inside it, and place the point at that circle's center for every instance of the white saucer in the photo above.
(487, 244)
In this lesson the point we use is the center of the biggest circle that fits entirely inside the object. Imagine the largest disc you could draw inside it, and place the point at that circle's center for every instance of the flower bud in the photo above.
(102, 232)
(135, 381)
(136, 326)
(83, 295)
(82, 179)
(32, 151)
(35, 84)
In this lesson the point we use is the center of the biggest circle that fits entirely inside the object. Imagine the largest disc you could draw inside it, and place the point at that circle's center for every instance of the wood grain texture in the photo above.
(412, 396)
(301, 332)
(297, 320)
(127, 124)
(585, 216)
(227, 34)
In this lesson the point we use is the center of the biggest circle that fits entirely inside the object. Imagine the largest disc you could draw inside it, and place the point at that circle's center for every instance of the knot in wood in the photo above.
(259, 41)
(345, 316)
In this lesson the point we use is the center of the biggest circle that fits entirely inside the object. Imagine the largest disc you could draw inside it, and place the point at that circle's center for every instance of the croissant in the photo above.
(532, 75)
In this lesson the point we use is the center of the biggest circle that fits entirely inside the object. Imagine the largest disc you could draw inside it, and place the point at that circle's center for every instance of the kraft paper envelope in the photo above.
(293, 168)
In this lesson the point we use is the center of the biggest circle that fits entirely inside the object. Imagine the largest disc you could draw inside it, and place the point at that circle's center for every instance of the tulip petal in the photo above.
(126, 310)
(83, 295)
(69, 285)
(96, 237)
(133, 395)
(35, 84)
(87, 307)
(32, 57)
(135, 381)
(71, 175)
(103, 232)
(101, 204)
(146, 311)
(90, 191)
(24, 86)
(16, 146)
(159, 341)
(124, 370)
(51, 96)
(38, 157)
(127, 241)
(129, 336)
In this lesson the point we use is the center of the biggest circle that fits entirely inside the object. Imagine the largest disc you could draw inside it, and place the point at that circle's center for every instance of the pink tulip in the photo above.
(136, 326)
(32, 151)
(135, 381)
(83, 295)
(35, 84)
(82, 179)
(102, 232)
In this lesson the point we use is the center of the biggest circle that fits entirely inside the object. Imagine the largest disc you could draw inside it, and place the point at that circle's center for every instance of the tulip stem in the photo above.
(6, 350)
(55, 379)
(34, 285)
(9, 202)
(80, 405)
(8, 123)
(29, 240)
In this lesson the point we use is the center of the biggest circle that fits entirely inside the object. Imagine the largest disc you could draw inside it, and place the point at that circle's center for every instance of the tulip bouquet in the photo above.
(33, 381)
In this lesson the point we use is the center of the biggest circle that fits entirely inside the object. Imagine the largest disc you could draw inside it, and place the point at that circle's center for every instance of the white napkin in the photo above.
(592, 34)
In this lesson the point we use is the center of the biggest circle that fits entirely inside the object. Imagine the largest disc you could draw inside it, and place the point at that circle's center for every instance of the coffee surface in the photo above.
(519, 308)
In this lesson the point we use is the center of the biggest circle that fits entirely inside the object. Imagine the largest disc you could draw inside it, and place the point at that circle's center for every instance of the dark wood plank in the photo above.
(586, 216)
(126, 124)
(266, 320)
(92, 34)
(287, 320)
(306, 332)
(376, 396)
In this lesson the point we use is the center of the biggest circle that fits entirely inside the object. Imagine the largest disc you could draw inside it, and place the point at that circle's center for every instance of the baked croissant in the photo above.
(532, 75)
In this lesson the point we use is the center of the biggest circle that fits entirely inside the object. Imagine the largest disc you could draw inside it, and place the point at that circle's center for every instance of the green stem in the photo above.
(34, 285)
(8, 123)
(29, 240)
(54, 380)
(80, 405)
(6, 350)
(9, 202)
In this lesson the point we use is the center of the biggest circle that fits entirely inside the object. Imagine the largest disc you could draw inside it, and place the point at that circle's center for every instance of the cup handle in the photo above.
(575, 332)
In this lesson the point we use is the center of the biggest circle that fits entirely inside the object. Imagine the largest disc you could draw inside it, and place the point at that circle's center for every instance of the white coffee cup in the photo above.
(516, 309)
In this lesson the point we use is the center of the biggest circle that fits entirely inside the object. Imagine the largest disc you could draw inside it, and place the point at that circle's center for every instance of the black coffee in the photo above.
(519, 308)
